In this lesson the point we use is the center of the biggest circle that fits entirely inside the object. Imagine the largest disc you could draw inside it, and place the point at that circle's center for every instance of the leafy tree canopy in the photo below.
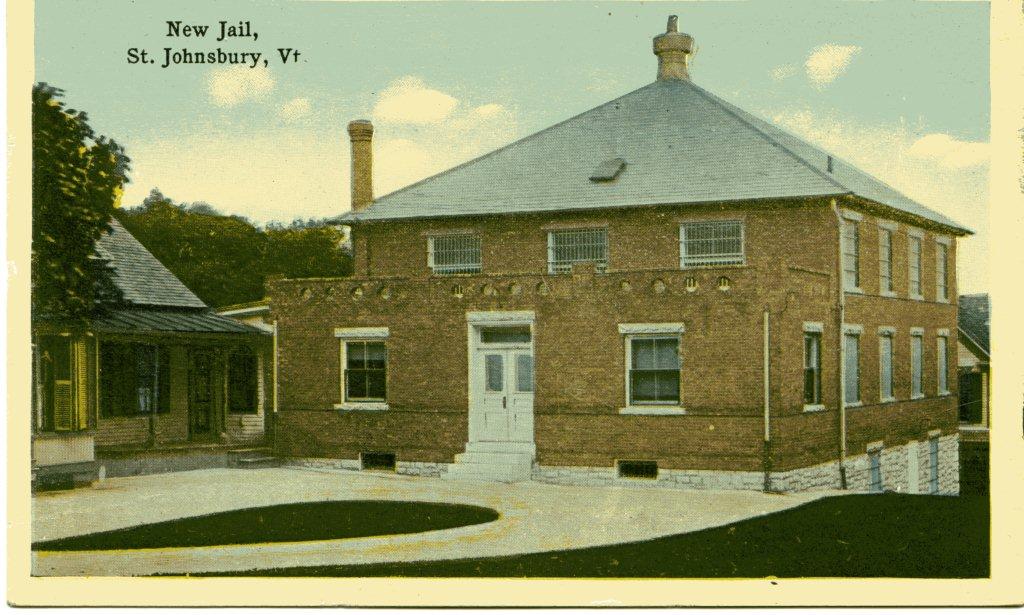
(77, 179)
(226, 259)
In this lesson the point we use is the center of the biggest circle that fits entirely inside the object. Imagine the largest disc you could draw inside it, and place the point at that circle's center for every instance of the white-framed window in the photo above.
(653, 368)
(914, 265)
(812, 367)
(711, 243)
(447, 254)
(851, 366)
(567, 247)
(885, 364)
(916, 352)
(942, 269)
(885, 261)
(851, 255)
(942, 363)
(364, 364)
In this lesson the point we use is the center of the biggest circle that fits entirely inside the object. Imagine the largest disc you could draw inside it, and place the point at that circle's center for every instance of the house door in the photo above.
(200, 392)
(502, 406)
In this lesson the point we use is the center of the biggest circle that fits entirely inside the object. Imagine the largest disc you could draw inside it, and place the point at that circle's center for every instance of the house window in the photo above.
(566, 248)
(933, 465)
(914, 258)
(885, 366)
(64, 378)
(875, 461)
(710, 244)
(654, 370)
(942, 365)
(812, 368)
(916, 347)
(243, 382)
(851, 255)
(365, 371)
(941, 281)
(851, 355)
(885, 260)
(134, 379)
(454, 254)
(970, 398)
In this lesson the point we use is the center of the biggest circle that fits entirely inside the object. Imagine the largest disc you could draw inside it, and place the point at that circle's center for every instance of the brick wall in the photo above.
(791, 264)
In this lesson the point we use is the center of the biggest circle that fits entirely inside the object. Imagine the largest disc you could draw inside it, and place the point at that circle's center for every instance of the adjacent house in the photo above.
(160, 372)
(662, 290)
(973, 364)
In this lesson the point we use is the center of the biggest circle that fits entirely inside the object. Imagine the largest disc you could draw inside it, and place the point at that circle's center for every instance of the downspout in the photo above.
(767, 454)
(273, 391)
(840, 321)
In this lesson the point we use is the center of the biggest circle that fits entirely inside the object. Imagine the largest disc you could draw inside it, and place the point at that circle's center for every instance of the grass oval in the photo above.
(295, 522)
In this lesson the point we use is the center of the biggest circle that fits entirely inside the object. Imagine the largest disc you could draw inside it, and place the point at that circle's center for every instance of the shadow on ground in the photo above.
(303, 521)
(888, 535)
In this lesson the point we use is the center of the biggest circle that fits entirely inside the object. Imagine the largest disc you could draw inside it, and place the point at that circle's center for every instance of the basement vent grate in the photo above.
(638, 469)
(608, 170)
(377, 461)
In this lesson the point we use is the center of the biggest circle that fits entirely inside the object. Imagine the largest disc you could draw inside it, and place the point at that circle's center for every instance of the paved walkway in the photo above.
(534, 517)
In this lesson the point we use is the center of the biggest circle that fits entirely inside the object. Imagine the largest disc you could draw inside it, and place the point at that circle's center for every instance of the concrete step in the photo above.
(489, 458)
(486, 472)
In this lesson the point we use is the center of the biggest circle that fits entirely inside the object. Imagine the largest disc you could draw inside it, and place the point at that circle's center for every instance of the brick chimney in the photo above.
(360, 132)
(673, 50)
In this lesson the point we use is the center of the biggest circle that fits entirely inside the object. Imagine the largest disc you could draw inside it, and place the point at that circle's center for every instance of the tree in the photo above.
(77, 178)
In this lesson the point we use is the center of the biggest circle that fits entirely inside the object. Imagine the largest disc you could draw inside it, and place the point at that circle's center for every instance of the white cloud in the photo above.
(942, 173)
(783, 72)
(949, 151)
(409, 101)
(232, 85)
(295, 109)
(827, 62)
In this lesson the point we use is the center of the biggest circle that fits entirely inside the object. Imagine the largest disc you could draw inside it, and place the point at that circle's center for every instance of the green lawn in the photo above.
(282, 523)
(846, 536)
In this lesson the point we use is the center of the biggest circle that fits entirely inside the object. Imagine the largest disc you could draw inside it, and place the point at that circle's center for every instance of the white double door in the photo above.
(502, 401)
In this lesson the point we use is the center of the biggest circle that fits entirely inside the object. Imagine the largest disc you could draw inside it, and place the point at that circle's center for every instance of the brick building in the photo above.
(664, 287)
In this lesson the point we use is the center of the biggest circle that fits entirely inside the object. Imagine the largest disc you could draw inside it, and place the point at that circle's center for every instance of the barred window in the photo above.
(885, 260)
(942, 364)
(709, 244)
(365, 371)
(851, 386)
(851, 255)
(914, 259)
(577, 246)
(885, 367)
(916, 344)
(654, 370)
(812, 368)
(454, 254)
(941, 281)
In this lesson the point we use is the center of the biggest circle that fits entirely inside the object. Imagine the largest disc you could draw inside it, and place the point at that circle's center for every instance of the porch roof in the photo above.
(156, 320)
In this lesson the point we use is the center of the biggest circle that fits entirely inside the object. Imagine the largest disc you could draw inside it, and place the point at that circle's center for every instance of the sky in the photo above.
(899, 88)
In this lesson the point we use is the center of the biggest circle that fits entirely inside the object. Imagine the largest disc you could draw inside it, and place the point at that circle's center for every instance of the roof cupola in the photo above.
(673, 49)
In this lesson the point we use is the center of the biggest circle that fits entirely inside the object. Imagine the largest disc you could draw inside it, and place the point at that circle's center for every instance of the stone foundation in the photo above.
(904, 469)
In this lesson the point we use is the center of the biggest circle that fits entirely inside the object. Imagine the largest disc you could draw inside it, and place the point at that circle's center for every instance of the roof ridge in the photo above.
(735, 112)
(503, 147)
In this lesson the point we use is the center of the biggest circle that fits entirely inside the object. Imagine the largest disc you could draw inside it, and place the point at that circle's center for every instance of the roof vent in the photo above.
(608, 170)
(829, 164)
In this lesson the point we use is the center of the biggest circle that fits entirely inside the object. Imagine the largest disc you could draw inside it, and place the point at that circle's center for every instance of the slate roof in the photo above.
(680, 143)
(973, 319)
(141, 277)
(163, 320)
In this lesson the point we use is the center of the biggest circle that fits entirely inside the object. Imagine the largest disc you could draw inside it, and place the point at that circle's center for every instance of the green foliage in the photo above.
(226, 259)
(77, 178)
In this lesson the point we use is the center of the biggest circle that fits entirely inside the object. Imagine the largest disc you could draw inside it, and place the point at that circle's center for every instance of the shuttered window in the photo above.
(134, 379)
